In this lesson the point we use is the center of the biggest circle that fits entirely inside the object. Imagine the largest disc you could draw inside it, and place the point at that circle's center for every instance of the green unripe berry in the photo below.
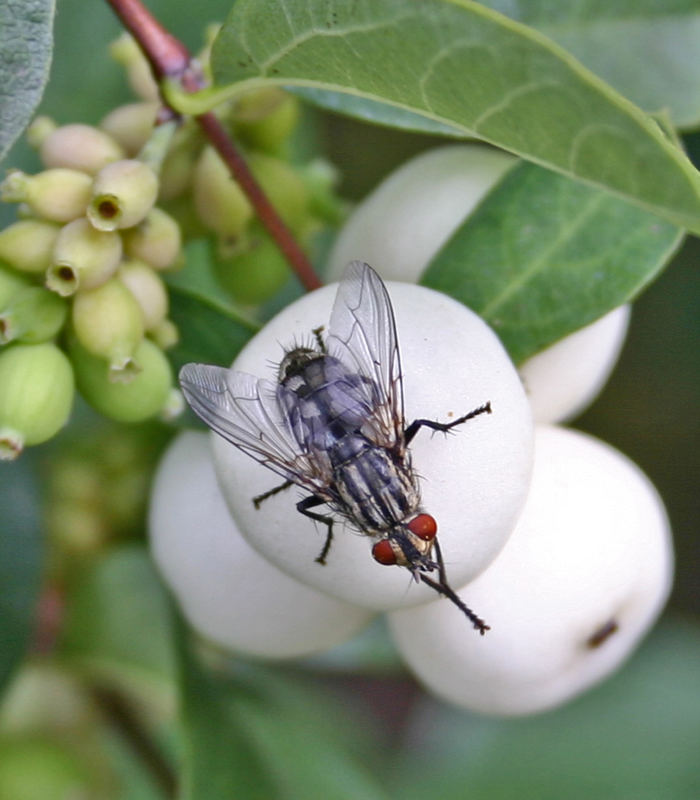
(177, 170)
(143, 397)
(165, 334)
(126, 52)
(59, 195)
(131, 124)
(256, 271)
(156, 240)
(220, 202)
(36, 395)
(108, 323)
(34, 768)
(80, 147)
(33, 315)
(28, 245)
(264, 119)
(83, 257)
(284, 188)
(10, 283)
(148, 290)
(38, 130)
(122, 194)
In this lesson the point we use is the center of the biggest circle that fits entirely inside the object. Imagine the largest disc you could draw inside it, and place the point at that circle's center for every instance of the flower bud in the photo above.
(83, 258)
(28, 245)
(142, 397)
(221, 204)
(80, 147)
(156, 239)
(177, 171)
(59, 195)
(165, 334)
(10, 283)
(148, 290)
(39, 129)
(36, 395)
(126, 52)
(256, 271)
(107, 322)
(131, 124)
(284, 187)
(33, 315)
(122, 194)
(265, 118)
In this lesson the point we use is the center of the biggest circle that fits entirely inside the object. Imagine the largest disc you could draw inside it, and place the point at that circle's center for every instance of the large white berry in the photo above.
(225, 589)
(473, 481)
(580, 581)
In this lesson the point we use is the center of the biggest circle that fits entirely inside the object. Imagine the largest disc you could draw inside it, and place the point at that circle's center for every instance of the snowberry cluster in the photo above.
(555, 539)
(82, 297)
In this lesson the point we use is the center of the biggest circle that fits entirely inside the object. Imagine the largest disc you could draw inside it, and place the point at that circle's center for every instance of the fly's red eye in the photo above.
(424, 527)
(384, 553)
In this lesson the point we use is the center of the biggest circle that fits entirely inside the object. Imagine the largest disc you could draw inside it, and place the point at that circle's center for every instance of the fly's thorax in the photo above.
(294, 363)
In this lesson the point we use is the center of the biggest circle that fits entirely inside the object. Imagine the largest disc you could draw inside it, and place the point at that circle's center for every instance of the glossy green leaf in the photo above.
(633, 737)
(462, 65)
(544, 255)
(25, 56)
(20, 561)
(649, 50)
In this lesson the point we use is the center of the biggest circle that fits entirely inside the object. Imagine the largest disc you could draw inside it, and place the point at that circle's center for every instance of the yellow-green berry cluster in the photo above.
(79, 272)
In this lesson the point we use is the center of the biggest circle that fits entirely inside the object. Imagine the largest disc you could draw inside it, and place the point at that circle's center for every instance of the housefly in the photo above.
(333, 424)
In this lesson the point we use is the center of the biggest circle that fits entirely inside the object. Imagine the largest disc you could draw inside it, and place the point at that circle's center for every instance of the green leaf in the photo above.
(462, 65)
(633, 737)
(256, 737)
(649, 50)
(117, 624)
(211, 330)
(544, 255)
(20, 562)
(25, 56)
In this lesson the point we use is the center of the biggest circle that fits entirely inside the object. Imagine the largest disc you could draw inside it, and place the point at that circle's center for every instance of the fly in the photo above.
(334, 424)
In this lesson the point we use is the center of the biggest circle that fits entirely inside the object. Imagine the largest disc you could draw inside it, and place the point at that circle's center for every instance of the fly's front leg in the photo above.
(417, 424)
(303, 507)
(257, 500)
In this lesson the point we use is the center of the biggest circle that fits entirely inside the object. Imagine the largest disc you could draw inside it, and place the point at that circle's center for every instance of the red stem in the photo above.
(169, 58)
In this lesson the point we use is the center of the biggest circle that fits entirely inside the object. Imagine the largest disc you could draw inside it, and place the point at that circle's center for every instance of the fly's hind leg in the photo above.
(303, 507)
(258, 499)
(417, 424)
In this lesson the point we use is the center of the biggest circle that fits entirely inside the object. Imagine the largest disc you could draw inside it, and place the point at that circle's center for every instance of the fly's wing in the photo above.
(362, 334)
(244, 410)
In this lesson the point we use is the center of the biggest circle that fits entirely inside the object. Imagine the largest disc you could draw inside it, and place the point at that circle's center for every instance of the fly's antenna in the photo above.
(443, 588)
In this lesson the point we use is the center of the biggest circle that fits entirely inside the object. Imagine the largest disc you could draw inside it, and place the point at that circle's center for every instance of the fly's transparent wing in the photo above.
(244, 410)
(362, 334)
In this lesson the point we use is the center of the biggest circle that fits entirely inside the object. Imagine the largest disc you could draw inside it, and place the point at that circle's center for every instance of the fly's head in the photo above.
(409, 545)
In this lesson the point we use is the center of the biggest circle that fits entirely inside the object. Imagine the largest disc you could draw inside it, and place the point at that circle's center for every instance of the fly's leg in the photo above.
(442, 587)
(303, 507)
(319, 339)
(417, 424)
(258, 499)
